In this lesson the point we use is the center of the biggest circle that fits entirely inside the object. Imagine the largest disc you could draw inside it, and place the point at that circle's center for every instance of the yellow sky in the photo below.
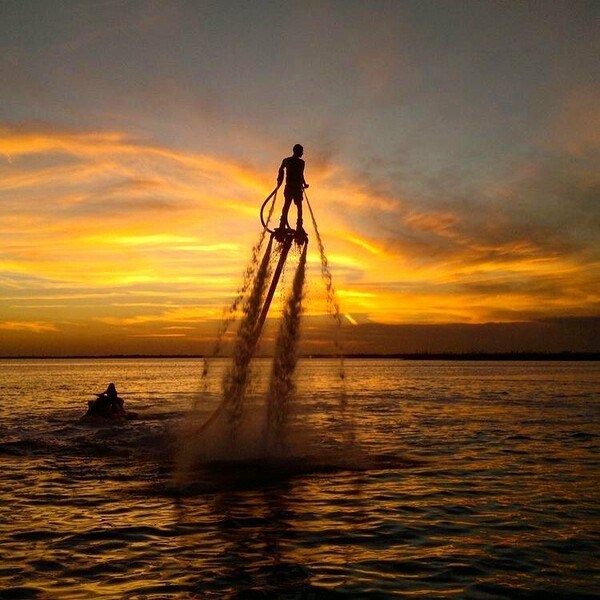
(102, 232)
(453, 152)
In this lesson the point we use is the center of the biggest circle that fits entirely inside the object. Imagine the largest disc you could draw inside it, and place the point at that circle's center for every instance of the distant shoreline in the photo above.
(472, 356)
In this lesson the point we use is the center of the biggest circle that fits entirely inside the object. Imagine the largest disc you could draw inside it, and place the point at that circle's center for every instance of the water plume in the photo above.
(225, 422)
(282, 387)
(247, 426)
(236, 377)
(229, 314)
(334, 309)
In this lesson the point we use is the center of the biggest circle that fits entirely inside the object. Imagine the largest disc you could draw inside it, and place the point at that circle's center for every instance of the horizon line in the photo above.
(512, 355)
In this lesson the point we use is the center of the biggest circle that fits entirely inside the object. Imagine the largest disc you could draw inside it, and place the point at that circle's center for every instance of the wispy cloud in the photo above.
(99, 227)
(29, 326)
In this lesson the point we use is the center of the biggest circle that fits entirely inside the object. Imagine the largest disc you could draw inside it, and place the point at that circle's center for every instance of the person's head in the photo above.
(111, 390)
(298, 150)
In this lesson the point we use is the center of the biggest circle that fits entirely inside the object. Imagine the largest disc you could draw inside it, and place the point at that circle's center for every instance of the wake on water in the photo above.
(233, 435)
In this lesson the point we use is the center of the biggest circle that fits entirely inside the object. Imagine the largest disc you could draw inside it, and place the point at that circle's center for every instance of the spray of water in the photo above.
(333, 308)
(282, 387)
(332, 304)
(229, 314)
(236, 377)
(234, 432)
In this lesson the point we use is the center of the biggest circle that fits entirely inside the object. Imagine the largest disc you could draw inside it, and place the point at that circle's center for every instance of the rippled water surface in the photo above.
(465, 480)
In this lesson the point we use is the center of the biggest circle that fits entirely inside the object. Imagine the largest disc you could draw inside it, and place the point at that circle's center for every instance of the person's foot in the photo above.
(300, 236)
(281, 233)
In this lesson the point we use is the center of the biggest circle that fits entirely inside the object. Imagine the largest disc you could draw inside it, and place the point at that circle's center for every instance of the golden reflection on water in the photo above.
(471, 479)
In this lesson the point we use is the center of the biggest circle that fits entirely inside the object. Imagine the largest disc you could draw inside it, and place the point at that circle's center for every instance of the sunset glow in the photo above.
(132, 210)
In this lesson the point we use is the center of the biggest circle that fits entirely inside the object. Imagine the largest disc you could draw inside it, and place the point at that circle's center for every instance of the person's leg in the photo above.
(286, 207)
(299, 207)
(298, 202)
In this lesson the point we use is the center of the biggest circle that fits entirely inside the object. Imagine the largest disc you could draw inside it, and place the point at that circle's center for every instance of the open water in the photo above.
(464, 480)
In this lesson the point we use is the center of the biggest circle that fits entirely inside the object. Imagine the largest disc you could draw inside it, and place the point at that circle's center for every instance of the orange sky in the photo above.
(122, 230)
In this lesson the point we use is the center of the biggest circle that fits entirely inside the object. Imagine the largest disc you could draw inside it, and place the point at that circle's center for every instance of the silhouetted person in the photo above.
(107, 404)
(294, 184)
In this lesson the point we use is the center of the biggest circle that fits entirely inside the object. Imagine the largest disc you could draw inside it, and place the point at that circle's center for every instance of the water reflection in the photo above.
(501, 502)
(253, 533)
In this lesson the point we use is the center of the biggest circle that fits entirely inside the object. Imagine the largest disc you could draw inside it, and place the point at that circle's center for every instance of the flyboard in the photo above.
(285, 236)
